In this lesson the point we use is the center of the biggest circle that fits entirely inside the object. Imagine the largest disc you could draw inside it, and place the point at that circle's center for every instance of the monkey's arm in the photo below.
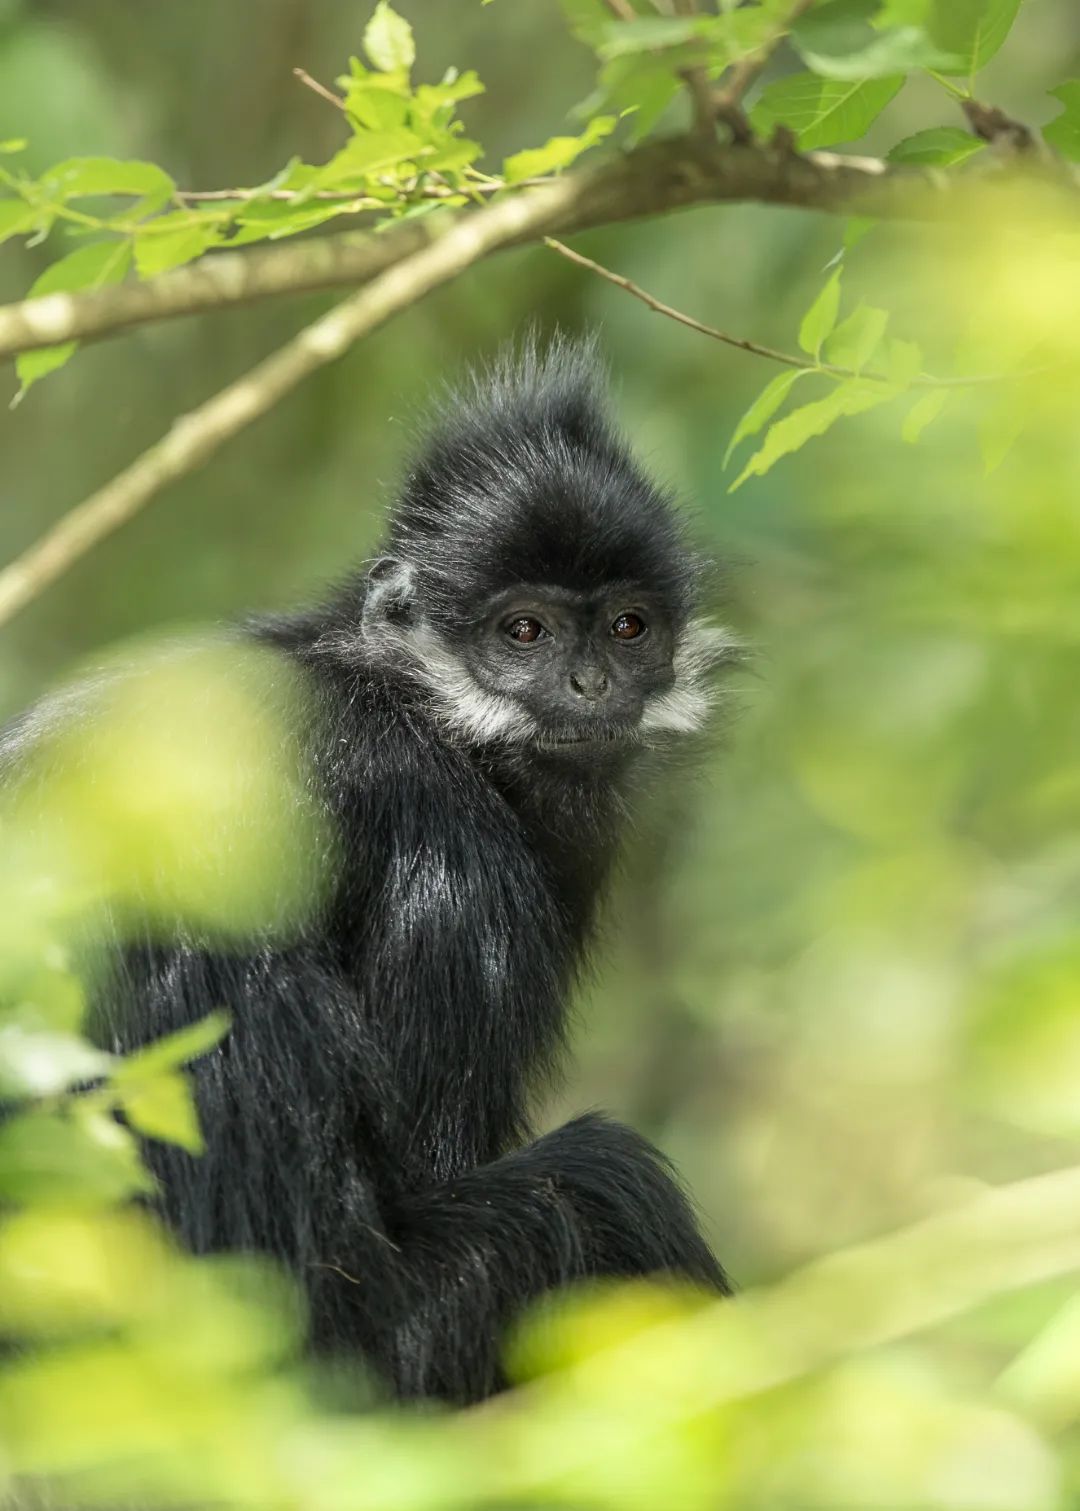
(590, 1199)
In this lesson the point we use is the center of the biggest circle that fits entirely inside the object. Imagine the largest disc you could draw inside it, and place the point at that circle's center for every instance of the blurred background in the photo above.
(839, 976)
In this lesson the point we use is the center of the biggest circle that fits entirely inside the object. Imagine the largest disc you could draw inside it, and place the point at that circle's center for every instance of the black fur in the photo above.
(367, 1118)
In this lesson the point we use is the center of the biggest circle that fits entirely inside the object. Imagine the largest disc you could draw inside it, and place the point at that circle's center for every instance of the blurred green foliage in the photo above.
(843, 965)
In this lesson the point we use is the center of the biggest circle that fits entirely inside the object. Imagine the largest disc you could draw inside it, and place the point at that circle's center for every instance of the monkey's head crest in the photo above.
(537, 581)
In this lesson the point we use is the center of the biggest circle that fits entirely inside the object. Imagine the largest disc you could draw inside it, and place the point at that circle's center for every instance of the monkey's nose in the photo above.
(590, 682)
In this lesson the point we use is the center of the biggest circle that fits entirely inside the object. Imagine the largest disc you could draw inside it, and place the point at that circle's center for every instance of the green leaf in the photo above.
(13, 144)
(821, 316)
(641, 85)
(175, 1050)
(838, 41)
(999, 430)
(369, 153)
(851, 397)
(388, 40)
(453, 88)
(972, 29)
(162, 1107)
(80, 177)
(37, 1063)
(271, 221)
(822, 112)
(903, 362)
(559, 152)
(857, 228)
(16, 216)
(83, 1159)
(589, 20)
(91, 267)
(923, 412)
(764, 407)
(1063, 133)
(904, 13)
(856, 339)
(939, 147)
(170, 241)
(370, 106)
(653, 33)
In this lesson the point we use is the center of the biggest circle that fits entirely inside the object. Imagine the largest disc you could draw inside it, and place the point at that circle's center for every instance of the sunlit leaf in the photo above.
(822, 112)
(903, 361)
(64, 1269)
(640, 85)
(939, 147)
(589, 20)
(90, 267)
(558, 153)
(162, 1107)
(161, 247)
(41, 1063)
(388, 40)
(16, 216)
(923, 412)
(1063, 132)
(650, 33)
(47, 1158)
(854, 396)
(821, 316)
(80, 177)
(838, 41)
(972, 29)
(764, 407)
(855, 340)
(174, 1050)
(369, 153)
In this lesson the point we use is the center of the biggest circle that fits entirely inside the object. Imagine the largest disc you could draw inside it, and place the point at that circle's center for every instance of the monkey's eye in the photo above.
(629, 627)
(526, 631)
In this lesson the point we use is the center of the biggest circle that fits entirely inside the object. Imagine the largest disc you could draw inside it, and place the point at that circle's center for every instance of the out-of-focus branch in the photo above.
(655, 179)
(196, 436)
(861, 1298)
(696, 78)
(730, 97)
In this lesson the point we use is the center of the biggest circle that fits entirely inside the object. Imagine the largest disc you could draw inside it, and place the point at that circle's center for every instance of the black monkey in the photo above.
(483, 695)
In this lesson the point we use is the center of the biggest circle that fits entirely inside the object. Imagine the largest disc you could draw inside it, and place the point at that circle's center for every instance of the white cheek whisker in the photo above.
(460, 705)
(686, 706)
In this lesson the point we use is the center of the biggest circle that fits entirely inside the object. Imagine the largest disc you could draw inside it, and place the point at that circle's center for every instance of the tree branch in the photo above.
(196, 436)
(696, 79)
(744, 73)
(655, 179)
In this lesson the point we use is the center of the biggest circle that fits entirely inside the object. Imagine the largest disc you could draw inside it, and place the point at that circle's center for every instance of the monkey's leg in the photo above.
(592, 1198)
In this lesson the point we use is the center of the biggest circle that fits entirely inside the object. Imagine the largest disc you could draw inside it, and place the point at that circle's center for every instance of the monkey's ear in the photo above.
(389, 596)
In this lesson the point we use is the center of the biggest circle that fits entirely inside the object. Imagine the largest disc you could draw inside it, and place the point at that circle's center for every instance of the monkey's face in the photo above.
(583, 667)
(562, 670)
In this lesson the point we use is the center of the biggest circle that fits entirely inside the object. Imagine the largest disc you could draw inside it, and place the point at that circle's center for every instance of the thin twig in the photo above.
(696, 79)
(320, 89)
(787, 359)
(196, 436)
(745, 72)
(340, 196)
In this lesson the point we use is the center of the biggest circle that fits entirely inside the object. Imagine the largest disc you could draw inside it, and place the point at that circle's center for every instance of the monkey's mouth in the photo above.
(589, 739)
